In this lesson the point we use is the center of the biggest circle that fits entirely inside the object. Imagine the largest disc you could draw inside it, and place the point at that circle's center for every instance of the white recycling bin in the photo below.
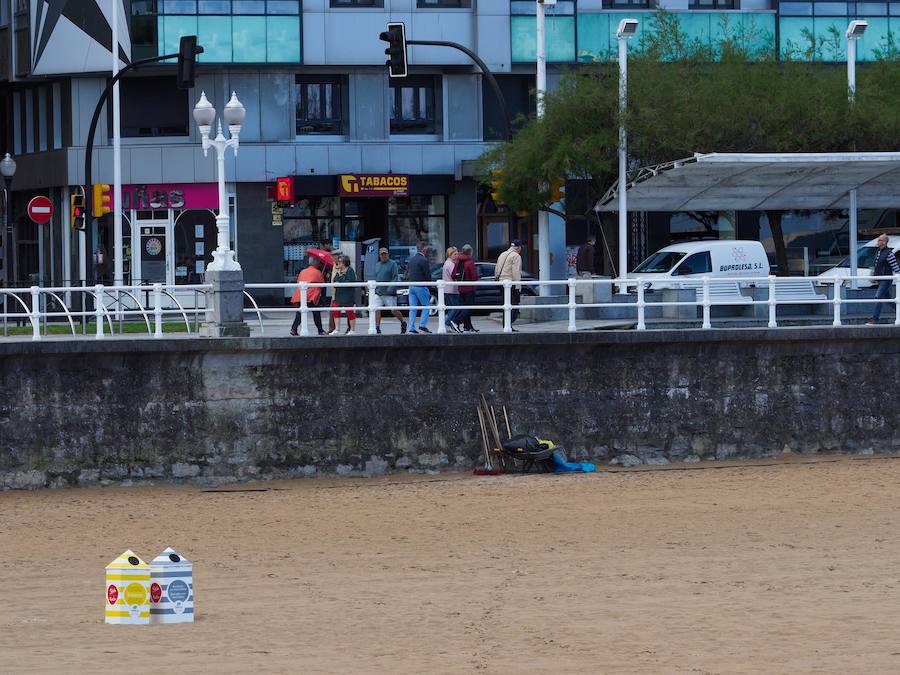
(171, 588)
(128, 590)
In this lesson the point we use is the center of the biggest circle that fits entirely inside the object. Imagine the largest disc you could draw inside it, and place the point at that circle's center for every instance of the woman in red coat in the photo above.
(311, 275)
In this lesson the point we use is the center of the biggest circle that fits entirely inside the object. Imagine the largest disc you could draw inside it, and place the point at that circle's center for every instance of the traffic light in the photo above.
(395, 36)
(77, 211)
(557, 191)
(100, 203)
(187, 59)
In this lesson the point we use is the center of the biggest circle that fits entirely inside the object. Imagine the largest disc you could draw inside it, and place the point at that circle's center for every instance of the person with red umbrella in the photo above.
(311, 274)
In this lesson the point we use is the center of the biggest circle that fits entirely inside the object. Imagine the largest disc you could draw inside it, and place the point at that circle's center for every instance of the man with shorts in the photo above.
(386, 296)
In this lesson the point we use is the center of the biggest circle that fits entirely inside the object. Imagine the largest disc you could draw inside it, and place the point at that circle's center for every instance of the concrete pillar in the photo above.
(225, 305)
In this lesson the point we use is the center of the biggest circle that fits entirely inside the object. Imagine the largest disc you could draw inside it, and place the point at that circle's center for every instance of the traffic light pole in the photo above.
(89, 157)
(507, 133)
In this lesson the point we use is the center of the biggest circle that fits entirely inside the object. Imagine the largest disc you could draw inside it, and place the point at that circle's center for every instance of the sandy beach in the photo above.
(774, 567)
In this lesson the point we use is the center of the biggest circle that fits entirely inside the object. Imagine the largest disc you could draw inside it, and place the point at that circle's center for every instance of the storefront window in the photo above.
(415, 219)
(307, 225)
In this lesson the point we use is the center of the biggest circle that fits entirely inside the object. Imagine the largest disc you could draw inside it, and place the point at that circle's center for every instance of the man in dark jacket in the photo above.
(884, 265)
(586, 261)
(419, 270)
(466, 271)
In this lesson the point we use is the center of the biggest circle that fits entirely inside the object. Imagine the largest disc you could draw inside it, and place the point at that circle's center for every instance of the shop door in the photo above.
(155, 254)
(497, 232)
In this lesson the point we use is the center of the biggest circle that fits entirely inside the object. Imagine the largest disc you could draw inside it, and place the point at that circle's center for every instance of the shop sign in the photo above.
(373, 185)
(284, 190)
(169, 196)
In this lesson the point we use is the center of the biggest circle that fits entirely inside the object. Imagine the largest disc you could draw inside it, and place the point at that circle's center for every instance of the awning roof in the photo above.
(754, 182)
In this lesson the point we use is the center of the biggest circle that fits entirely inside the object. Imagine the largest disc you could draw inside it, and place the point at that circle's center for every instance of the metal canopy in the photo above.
(758, 182)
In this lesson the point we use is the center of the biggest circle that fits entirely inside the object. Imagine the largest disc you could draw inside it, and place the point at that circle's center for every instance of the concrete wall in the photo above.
(82, 412)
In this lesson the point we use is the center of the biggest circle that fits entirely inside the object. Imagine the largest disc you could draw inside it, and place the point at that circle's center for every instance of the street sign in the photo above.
(40, 210)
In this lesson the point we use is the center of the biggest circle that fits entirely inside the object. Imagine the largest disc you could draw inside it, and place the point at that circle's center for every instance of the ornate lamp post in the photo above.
(205, 115)
(8, 170)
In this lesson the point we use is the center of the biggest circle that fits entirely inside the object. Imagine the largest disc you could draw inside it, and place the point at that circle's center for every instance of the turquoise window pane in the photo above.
(215, 38)
(697, 26)
(759, 31)
(248, 39)
(593, 37)
(283, 39)
(560, 39)
(874, 38)
(174, 27)
(160, 36)
(831, 30)
(794, 41)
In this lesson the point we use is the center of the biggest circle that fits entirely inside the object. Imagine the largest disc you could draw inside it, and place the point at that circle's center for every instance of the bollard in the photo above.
(171, 588)
(128, 590)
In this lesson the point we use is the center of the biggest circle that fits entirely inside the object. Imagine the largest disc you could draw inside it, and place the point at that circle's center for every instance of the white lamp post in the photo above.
(541, 89)
(627, 29)
(8, 170)
(855, 30)
(205, 115)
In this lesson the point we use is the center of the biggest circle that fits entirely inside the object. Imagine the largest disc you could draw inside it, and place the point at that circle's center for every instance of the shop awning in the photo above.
(755, 182)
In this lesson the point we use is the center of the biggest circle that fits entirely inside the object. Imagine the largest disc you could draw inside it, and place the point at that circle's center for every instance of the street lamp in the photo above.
(205, 115)
(855, 31)
(8, 170)
(627, 29)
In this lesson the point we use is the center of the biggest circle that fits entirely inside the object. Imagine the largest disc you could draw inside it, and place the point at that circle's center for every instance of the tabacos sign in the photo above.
(373, 185)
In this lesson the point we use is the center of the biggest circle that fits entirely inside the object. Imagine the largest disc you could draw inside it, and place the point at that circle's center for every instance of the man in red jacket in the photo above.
(465, 271)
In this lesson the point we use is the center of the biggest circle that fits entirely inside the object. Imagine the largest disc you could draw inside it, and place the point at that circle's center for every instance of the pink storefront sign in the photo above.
(169, 196)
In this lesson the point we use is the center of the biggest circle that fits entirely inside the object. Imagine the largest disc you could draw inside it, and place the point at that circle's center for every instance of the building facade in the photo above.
(321, 111)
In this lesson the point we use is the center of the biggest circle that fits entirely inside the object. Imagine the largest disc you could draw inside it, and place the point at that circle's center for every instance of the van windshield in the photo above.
(864, 257)
(660, 262)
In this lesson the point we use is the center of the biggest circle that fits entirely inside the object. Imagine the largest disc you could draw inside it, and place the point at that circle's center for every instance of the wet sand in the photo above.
(793, 567)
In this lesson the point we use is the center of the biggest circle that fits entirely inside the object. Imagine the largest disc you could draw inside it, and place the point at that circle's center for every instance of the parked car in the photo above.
(484, 295)
(865, 255)
(692, 260)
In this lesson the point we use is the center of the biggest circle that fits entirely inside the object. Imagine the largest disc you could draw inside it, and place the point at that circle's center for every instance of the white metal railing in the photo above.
(97, 308)
(100, 309)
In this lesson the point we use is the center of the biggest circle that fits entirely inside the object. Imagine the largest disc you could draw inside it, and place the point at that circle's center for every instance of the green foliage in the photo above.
(689, 96)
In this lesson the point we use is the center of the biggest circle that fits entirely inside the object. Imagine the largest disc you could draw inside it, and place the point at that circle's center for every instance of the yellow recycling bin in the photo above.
(128, 590)
(171, 588)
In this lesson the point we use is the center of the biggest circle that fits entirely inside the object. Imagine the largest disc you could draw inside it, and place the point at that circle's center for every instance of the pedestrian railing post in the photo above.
(571, 305)
(157, 311)
(836, 302)
(507, 306)
(35, 313)
(441, 306)
(896, 300)
(370, 288)
(773, 323)
(707, 323)
(304, 309)
(641, 305)
(98, 309)
(5, 315)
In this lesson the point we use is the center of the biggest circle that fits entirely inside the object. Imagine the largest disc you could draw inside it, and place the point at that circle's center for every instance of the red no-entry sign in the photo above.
(40, 210)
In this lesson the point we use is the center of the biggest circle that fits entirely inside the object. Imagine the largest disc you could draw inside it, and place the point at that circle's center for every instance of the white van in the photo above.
(693, 260)
(865, 254)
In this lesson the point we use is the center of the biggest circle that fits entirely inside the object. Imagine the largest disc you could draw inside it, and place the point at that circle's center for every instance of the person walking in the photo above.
(418, 271)
(387, 270)
(343, 296)
(884, 264)
(451, 292)
(509, 268)
(465, 271)
(311, 274)
(586, 260)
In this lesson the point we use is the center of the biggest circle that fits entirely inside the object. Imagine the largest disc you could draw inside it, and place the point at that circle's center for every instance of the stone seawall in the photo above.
(83, 412)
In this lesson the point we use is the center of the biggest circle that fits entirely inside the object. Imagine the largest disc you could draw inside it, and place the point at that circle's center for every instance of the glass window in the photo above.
(413, 106)
(830, 8)
(173, 28)
(699, 263)
(357, 3)
(660, 263)
(627, 4)
(248, 6)
(152, 106)
(415, 219)
(214, 7)
(215, 36)
(424, 4)
(282, 39)
(319, 105)
(711, 4)
(248, 39)
(282, 7)
(177, 6)
(795, 9)
(307, 224)
(871, 9)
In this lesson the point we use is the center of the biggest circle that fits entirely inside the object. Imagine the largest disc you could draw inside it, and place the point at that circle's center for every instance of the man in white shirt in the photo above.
(509, 266)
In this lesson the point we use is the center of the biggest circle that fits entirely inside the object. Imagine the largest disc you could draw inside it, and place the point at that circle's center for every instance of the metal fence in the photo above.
(99, 310)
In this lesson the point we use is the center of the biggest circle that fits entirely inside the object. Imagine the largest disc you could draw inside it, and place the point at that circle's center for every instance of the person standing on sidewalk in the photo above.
(885, 264)
(419, 271)
(343, 297)
(451, 293)
(311, 274)
(387, 270)
(509, 268)
(466, 271)
(586, 261)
